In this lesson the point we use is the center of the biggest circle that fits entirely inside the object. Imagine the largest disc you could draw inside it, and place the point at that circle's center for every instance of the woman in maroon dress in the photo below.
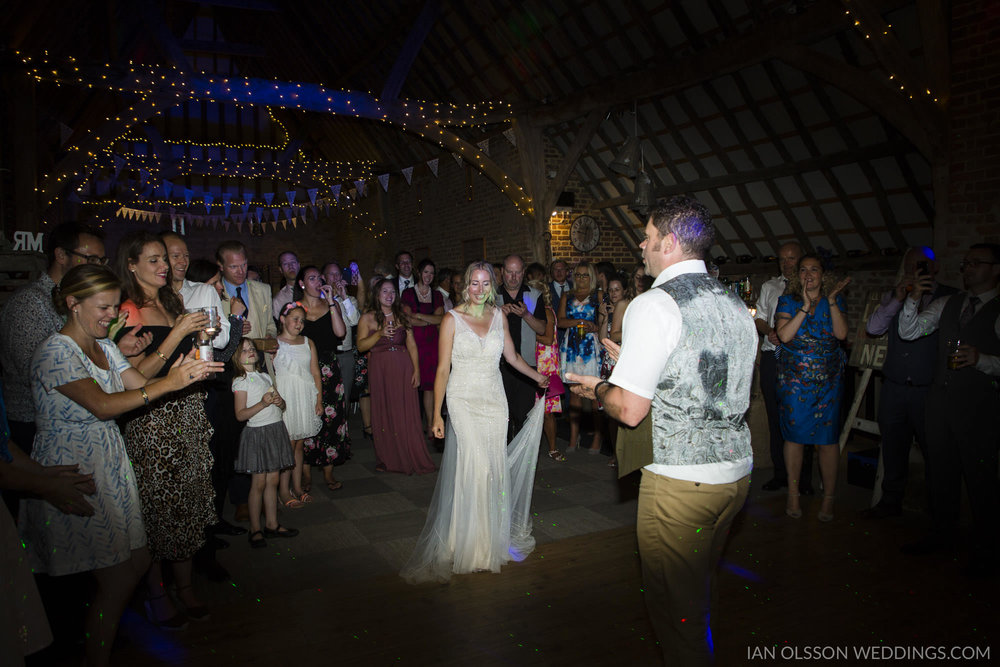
(393, 378)
(424, 307)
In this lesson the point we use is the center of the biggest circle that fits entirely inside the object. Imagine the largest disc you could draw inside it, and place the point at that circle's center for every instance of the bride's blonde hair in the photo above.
(481, 265)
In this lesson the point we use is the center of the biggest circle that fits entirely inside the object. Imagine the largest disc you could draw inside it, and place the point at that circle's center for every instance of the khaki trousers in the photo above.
(682, 528)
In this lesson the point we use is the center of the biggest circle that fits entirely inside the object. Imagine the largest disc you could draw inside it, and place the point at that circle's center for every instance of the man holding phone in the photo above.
(907, 375)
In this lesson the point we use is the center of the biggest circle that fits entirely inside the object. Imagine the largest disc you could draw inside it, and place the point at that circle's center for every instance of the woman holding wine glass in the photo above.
(393, 378)
(168, 440)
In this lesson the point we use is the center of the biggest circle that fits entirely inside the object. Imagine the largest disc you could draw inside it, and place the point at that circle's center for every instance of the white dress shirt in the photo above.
(913, 324)
(200, 295)
(767, 303)
(352, 315)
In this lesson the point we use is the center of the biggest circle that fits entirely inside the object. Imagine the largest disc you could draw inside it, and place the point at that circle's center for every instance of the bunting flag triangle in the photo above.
(294, 224)
(335, 189)
(225, 205)
(408, 174)
(227, 224)
(284, 224)
(245, 205)
(239, 227)
(433, 166)
(274, 225)
(260, 213)
(168, 189)
(484, 146)
(315, 212)
(188, 193)
(290, 195)
(302, 212)
(268, 196)
(312, 195)
(288, 212)
(275, 212)
(119, 163)
(209, 198)
(383, 179)
(458, 158)
(511, 137)
(360, 185)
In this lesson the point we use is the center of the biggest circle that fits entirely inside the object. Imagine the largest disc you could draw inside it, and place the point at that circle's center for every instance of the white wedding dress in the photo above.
(479, 517)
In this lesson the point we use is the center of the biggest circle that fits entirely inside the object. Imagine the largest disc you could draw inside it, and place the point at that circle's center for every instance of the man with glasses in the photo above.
(30, 317)
(963, 405)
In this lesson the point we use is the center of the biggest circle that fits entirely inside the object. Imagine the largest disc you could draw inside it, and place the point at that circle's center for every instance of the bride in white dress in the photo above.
(479, 517)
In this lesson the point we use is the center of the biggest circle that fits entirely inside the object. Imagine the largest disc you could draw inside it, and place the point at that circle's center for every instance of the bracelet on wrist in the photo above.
(160, 355)
(145, 396)
(597, 396)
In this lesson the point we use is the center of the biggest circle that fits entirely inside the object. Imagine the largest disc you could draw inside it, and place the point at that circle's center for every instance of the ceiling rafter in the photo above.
(821, 20)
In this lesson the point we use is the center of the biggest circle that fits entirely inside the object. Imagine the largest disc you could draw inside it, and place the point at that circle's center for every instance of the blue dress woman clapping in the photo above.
(810, 321)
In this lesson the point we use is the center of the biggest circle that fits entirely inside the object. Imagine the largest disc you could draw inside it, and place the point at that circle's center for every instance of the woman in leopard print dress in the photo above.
(168, 440)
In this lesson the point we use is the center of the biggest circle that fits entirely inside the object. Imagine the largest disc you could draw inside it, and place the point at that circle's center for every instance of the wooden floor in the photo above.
(332, 597)
(784, 584)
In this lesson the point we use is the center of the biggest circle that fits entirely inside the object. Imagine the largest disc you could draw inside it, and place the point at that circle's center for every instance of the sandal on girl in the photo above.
(556, 455)
(305, 497)
(334, 484)
(259, 543)
(294, 503)
(280, 531)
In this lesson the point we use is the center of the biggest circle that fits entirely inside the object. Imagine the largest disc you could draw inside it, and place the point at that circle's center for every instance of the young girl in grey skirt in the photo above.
(264, 445)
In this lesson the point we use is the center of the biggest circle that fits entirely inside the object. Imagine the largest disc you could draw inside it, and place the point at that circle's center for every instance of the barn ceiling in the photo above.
(818, 121)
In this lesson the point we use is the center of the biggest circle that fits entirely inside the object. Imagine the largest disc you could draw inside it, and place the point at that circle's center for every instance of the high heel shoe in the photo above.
(824, 516)
(197, 613)
(794, 513)
(175, 623)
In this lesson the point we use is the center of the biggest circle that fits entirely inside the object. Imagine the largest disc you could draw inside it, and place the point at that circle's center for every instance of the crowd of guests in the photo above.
(128, 438)
(939, 389)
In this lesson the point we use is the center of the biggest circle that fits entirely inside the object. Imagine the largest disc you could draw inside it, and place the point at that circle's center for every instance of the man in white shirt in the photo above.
(686, 360)
(963, 405)
(789, 255)
(195, 295)
(288, 261)
(334, 276)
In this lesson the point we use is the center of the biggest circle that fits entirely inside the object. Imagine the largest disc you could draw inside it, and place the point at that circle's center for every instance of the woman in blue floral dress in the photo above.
(580, 350)
(810, 321)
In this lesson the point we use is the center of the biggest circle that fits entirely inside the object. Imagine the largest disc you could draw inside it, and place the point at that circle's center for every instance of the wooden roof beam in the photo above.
(821, 20)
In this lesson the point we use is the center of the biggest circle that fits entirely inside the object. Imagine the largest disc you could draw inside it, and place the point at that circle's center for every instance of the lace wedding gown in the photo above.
(479, 517)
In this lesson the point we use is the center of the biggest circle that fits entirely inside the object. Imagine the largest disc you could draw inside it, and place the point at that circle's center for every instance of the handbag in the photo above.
(556, 386)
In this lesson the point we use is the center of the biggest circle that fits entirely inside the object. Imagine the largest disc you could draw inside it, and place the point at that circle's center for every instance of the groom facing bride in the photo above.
(686, 361)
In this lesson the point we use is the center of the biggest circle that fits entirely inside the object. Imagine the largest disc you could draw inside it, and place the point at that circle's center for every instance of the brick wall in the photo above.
(974, 129)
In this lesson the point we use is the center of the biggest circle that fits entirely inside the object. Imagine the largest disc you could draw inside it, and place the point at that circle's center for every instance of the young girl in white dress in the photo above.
(296, 372)
(264, 451)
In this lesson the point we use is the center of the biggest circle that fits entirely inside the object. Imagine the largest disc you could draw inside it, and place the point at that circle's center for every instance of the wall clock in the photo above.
(584, 233)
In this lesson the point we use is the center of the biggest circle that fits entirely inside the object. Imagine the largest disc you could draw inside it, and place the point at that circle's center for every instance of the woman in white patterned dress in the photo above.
(479, 516)
(80, 382)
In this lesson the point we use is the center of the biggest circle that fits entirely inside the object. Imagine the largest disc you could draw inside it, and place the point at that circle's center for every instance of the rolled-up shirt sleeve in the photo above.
(652, 328)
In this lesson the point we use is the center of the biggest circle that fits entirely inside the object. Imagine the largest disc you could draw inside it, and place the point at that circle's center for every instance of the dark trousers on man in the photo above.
(225, 444)
(963, 443)
(520, 391)
(901, 418)
(769, 392)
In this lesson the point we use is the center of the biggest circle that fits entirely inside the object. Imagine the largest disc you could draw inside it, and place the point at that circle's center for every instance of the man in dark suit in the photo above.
(963, 405)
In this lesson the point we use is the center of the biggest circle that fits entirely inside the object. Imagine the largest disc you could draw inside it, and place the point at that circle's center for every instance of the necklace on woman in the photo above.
(423, 296)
